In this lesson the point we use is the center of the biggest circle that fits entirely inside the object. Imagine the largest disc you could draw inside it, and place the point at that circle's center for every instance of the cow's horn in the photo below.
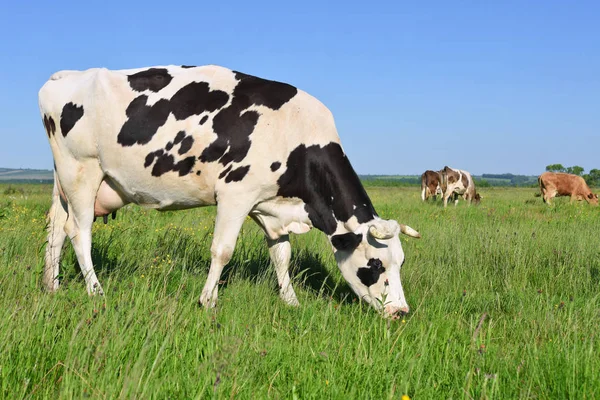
(407, 230)
(383, 229)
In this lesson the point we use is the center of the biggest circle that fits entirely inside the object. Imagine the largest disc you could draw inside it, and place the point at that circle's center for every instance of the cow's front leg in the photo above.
(281, 252)
(228, 223)
(446, 197)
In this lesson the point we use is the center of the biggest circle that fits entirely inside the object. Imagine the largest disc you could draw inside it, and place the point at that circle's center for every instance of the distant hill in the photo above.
(9, 175)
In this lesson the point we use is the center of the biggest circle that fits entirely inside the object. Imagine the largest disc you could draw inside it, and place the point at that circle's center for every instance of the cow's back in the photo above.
(564, 184)
(169, 135)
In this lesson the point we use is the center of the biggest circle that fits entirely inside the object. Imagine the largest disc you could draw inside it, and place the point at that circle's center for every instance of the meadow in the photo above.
(505, 303)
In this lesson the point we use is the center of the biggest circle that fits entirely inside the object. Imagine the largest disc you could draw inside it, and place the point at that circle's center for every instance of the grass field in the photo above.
(505, 301)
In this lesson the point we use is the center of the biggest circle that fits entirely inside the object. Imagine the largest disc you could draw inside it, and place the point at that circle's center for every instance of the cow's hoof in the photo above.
(207, 301)
(290, 301)
(95, 289)
(293, 303)
(51, 286)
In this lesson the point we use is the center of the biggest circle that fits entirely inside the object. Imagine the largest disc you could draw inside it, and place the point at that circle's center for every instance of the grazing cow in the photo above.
(554, 184)
(430, 184)
(175, 137)
(457, 182)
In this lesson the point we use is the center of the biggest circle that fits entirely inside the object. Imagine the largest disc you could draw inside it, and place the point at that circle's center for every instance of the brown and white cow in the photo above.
(175, 137)
(456, 182)
(554, 184)
(431, 184)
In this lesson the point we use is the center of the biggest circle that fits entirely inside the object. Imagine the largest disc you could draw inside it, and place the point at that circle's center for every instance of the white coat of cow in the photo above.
(180, 137)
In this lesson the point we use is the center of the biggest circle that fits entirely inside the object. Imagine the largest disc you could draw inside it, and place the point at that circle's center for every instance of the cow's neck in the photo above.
(323, 178)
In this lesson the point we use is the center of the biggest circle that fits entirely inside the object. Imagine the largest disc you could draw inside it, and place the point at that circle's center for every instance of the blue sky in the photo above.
(489, 87)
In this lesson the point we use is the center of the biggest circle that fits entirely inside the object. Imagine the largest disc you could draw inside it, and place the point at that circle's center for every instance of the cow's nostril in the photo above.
(402, 311)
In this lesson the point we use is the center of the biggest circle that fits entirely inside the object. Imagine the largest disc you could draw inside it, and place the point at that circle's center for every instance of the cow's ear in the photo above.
(591, 196)
(347, 241)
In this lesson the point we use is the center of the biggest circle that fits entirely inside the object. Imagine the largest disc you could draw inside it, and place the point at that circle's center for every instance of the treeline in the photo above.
(592, 178)
(485, 180)
(506, 180)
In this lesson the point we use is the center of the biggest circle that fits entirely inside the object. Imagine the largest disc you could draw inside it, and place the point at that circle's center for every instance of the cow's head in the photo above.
(592, 198)
(370, 259)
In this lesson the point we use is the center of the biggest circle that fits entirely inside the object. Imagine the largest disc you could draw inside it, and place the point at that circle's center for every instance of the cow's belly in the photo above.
(162, 194)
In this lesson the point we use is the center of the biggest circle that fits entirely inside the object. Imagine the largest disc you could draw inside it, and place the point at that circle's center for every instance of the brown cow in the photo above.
(430, 184)
(554, 184)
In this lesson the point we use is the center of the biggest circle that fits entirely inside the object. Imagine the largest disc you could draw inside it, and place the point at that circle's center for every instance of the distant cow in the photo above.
(456, 182)
(175, 137)
(554, 184)
(430, 184)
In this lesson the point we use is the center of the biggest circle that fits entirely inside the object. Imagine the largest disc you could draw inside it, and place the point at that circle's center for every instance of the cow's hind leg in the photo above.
(80, 184)
(229, 221)
(281, 252)
(57, 218)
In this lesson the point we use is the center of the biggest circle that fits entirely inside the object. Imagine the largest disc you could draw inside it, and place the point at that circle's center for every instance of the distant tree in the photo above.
(575, 170)
(593, 178)
(555, 168)
(481, 183)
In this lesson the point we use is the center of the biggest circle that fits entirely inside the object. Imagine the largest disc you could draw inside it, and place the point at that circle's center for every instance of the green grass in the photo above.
(505, 303)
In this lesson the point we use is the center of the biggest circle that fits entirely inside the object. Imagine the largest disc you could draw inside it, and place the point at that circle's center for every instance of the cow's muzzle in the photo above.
(395, 312)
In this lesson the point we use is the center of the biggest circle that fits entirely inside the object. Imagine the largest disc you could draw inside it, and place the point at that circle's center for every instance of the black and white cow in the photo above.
(179, 137)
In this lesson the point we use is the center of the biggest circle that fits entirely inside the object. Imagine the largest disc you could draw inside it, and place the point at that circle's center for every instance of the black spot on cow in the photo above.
(45, 122)
(52, 125)
(186, 144)
(263, 92)
(149, 160)
(203, 120)
(347, 241)
(323, 178)
(196, 98)
(144, 120)
(49, 125)
(369, 276)
(224, 172)
(188, 66)
(185, 166)
(169, 146)
(179, 137)
(237, 174)
(153, 79)
(275, 166)
(71, 113)
(234, 124)
(151, 156)
(198, 172)
(166, 162)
